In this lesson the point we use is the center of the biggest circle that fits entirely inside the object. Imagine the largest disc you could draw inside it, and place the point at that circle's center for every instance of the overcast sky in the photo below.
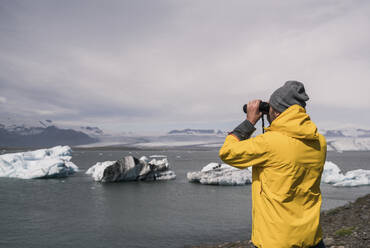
(158, 65)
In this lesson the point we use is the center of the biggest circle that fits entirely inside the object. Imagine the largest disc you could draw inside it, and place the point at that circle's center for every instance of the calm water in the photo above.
(77, 212)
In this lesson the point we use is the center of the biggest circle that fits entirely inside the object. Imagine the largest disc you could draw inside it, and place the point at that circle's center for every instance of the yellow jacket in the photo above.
(287, 165)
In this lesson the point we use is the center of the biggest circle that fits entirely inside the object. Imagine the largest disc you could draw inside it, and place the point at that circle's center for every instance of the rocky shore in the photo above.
(343, 227)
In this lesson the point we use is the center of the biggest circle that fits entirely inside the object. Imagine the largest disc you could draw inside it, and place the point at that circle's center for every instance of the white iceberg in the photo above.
(97, 170)
(220, 174)
(130, 168)
(355, 178)
(332, 174)
(223, 174)
(43, 163)
(158, 156)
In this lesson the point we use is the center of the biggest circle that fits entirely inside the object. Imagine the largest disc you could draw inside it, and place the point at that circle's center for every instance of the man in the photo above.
(287, 162)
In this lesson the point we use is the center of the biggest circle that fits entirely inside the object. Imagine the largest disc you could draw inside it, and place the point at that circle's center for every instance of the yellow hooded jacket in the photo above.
(287, 162)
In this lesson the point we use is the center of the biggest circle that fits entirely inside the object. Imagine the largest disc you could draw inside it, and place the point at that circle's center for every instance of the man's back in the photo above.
(287, 164)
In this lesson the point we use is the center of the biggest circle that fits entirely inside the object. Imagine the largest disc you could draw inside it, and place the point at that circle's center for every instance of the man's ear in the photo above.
(276, 113)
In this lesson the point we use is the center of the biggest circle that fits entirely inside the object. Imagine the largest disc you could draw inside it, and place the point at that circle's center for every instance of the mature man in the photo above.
(287, 162)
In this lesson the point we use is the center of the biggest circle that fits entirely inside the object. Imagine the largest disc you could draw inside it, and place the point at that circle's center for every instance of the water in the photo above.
(77, 212)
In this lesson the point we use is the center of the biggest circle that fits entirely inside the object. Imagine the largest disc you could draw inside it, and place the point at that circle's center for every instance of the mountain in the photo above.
(350, 139)
(46, 133)
(347, 132)
(347, 139)
(41, 135)
(92, 131)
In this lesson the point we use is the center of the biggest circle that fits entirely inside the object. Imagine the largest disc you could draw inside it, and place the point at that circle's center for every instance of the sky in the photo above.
(154, 66)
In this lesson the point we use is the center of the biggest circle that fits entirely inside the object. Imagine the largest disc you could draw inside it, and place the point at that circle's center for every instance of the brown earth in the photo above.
(343, 227)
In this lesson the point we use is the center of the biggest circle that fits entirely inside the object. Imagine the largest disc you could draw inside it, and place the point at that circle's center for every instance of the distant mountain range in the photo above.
(46, 133)
(347, 139)
(347, 132)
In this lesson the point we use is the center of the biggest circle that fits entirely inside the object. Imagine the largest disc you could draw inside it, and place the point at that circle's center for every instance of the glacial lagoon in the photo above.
(78, 212)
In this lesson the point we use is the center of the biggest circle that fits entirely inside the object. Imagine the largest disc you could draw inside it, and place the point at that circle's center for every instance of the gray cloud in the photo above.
(150, 65)
(2, 100)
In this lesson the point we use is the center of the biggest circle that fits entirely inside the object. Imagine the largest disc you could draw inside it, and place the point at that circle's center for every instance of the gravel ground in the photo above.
(343, 227)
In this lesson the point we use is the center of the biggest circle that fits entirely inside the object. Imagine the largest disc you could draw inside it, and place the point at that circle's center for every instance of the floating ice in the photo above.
(130, 168)
(223, 174)
(355, 178)
(220, 174)
(97, 170)
(332, 174)
(158, 156)
(43, 163)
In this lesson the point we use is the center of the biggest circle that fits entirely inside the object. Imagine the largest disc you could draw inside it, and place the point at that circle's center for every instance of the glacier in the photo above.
(129, 168)
(348, 144)
(43, 163)
(223, 174)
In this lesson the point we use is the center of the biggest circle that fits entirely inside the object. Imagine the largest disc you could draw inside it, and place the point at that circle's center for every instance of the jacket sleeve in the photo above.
(244, 130)
(245, 153)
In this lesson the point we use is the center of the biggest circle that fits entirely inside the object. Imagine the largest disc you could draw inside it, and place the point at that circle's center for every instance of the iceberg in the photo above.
(223, 174)
(332, 174)
(97, 170)
(44, 163)
(158, 156)
(355, 178)
(220, 174)
(130, 168)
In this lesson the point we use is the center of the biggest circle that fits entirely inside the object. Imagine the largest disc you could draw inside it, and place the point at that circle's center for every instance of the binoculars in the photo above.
(264, 108)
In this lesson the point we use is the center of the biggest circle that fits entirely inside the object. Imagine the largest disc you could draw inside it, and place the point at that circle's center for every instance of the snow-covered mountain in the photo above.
(346, 132)
(47, 133)
(40, 134)
(95, 132)
(347, 139)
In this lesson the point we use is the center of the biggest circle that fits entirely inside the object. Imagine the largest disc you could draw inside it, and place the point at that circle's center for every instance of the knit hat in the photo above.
(292, 92)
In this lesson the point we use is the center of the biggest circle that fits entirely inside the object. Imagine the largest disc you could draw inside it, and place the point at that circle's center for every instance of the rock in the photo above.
(130, 168)
(328, 241)
(364, 216)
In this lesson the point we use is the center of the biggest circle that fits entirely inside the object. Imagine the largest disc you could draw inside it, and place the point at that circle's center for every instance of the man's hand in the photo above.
(253, 112)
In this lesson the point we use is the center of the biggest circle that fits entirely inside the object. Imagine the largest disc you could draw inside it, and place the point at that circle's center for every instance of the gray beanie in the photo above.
(292, 92)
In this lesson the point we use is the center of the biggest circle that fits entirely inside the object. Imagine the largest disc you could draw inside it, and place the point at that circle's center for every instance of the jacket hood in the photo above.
(296, 123)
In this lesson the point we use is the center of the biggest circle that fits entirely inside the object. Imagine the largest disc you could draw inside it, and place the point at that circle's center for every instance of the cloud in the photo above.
(166, 63)
(2, 100)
